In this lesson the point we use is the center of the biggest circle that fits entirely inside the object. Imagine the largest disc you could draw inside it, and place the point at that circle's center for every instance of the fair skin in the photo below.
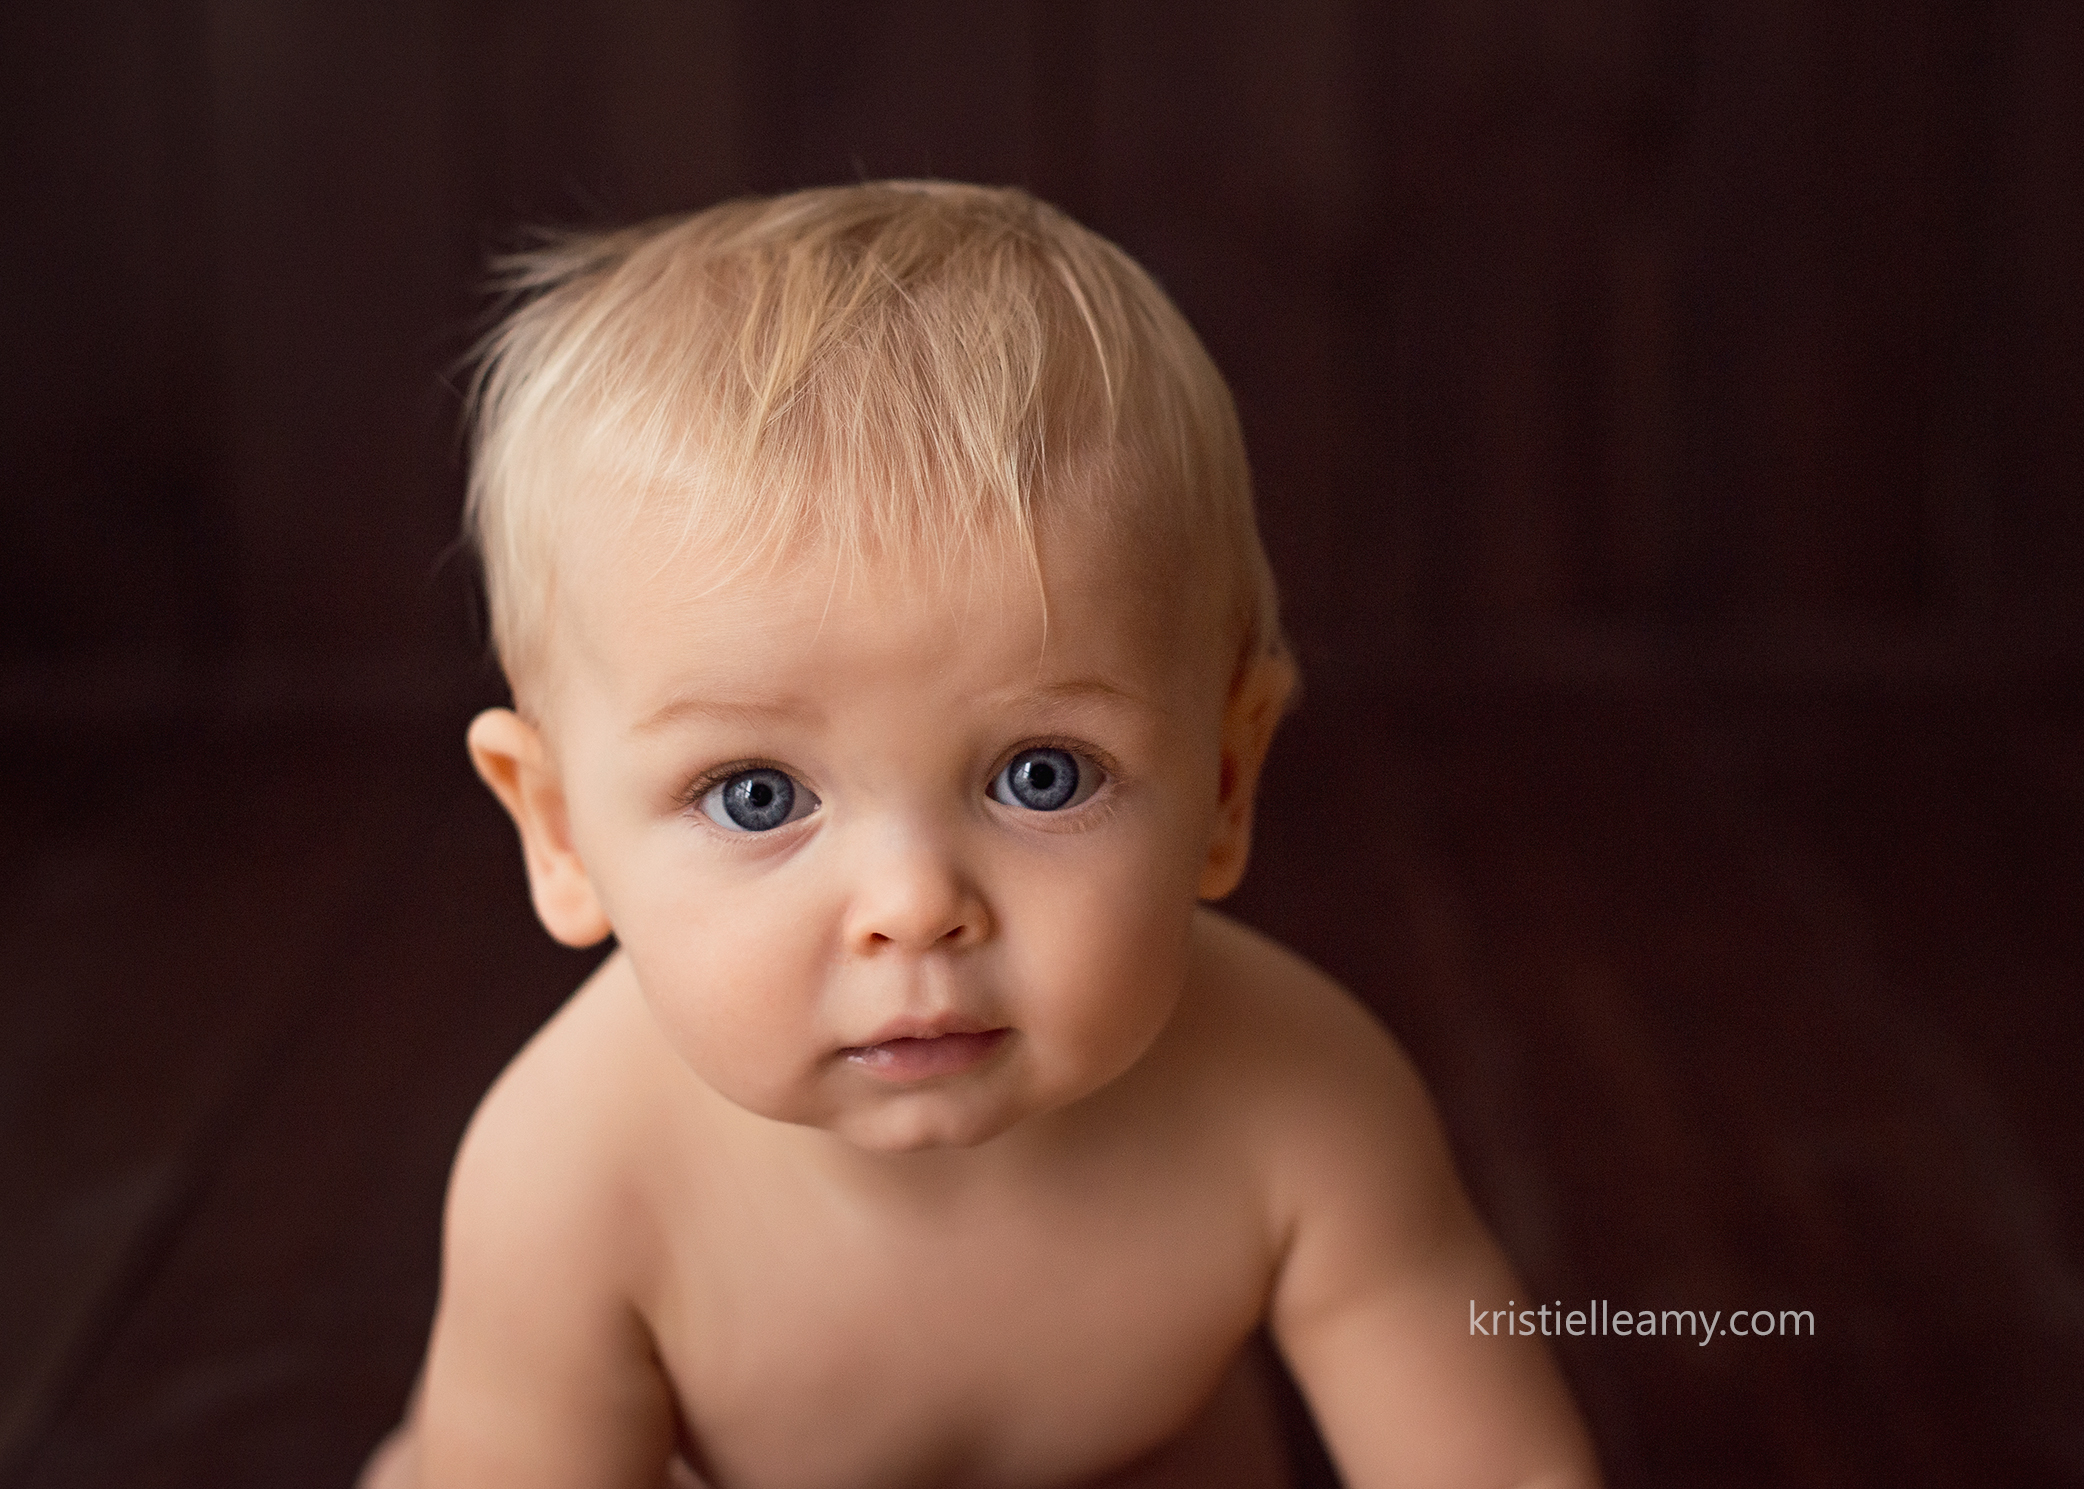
(924, 1130)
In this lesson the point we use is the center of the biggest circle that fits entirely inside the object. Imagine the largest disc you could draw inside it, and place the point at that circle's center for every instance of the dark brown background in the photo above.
(1668, 421)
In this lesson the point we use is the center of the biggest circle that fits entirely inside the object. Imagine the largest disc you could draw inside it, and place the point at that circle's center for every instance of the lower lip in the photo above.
(900, 1060)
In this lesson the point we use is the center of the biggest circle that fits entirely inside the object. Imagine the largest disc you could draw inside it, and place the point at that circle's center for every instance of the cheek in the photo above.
(1105, 942)
(730, 976)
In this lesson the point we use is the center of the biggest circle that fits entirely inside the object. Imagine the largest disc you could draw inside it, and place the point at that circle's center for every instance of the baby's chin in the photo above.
(959, 1111)
(921, 1122)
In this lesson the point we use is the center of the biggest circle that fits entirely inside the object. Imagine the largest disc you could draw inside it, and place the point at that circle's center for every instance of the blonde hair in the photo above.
(901, 368)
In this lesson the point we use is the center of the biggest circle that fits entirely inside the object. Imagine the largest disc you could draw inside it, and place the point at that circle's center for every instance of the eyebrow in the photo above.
(691, 705)
(724, 710)
(1080, 687)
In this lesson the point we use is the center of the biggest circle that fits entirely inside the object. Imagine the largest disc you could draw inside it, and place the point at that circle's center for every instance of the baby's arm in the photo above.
(541, 1371)
(1384, 1259)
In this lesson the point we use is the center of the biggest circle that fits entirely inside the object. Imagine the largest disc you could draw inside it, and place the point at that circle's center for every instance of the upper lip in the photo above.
(929, 1028)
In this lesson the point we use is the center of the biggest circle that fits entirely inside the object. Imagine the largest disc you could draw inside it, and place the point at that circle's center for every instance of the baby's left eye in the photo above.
(1045, 780)
(757, 800)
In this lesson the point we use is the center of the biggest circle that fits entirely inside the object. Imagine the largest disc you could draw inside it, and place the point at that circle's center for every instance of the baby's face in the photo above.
(887, 858)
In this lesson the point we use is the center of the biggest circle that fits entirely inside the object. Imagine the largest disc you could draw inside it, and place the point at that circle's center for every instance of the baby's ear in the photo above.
(510, 754)
(1257, 701)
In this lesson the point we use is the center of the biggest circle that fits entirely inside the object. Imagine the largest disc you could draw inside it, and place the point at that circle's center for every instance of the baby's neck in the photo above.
(942, 1181)
(1044, 1152)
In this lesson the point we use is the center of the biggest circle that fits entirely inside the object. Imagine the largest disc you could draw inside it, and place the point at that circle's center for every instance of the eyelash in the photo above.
(1094, 811)
(1086, 752)
(690, 799)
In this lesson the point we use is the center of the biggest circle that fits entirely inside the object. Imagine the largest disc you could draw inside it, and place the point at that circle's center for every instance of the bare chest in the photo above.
(834, 1345)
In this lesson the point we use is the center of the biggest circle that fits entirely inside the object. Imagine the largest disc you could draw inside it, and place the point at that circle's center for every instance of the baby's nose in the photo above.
(912, 894)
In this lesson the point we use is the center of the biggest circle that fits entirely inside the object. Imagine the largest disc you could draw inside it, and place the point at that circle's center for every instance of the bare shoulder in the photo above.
(549, 1158)
(1326, 1099)
(541, 1367)
(1292, 1032)
(1381, 1253)
(563, 1116)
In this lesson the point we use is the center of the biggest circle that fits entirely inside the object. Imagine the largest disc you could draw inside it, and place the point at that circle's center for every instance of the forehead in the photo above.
(642, 622)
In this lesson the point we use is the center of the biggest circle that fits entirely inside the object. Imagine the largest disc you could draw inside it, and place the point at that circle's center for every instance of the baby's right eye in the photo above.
(757, 800)
(1044, 779)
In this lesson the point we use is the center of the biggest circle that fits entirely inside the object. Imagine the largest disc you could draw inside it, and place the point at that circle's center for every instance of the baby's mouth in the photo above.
(917, 1059)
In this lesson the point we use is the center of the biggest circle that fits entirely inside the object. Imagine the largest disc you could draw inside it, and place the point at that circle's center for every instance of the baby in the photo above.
(893, 657)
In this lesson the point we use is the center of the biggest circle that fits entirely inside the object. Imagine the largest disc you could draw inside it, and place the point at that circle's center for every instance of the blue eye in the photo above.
(1044, 780)
(757, 800)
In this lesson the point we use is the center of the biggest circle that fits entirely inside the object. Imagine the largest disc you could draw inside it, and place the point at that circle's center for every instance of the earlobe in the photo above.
(512, 759)
(1257, 702)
